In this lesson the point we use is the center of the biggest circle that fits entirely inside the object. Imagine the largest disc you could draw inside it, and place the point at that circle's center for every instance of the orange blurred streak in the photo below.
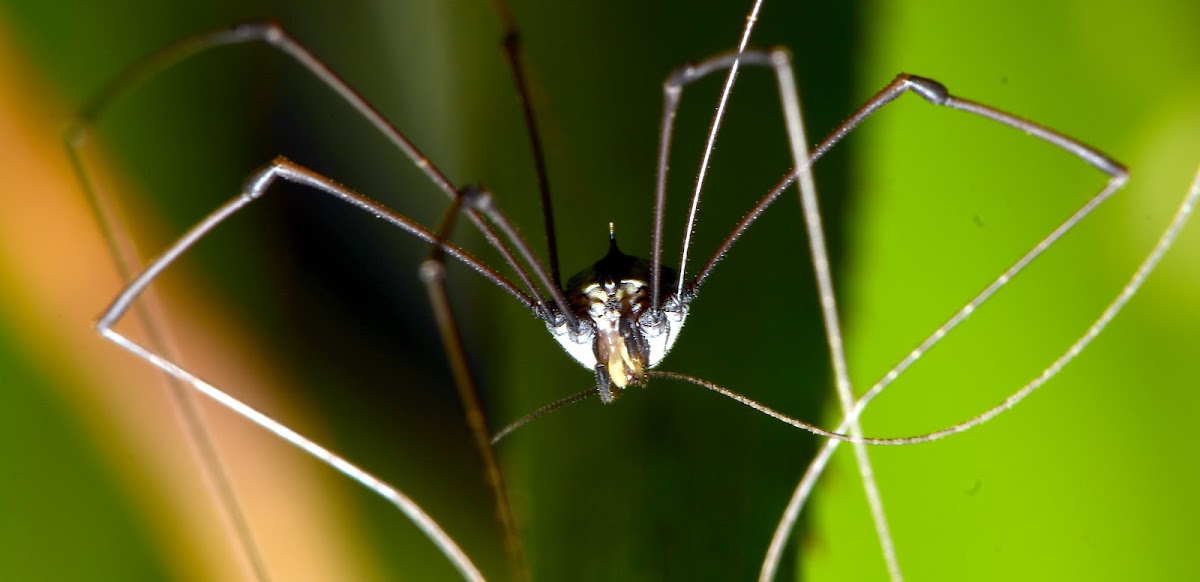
(57, 275)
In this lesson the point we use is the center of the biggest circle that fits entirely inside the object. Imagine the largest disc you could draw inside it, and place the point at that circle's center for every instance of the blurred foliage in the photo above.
(1089, 478)
(313, 313)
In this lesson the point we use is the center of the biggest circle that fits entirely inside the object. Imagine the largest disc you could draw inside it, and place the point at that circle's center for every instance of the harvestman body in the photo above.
(625, 330)
(620, 317)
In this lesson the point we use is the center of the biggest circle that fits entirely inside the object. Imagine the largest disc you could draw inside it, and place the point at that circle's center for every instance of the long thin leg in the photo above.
(281, 168)
(255, 188)
(933, 92)
(433, 274)
(937, 94)
(790, 98)
(804, 489)
(287, 170)
(196, 433)
(274, 35)
(1165, 241)
(780, 63)
(422, 520)
(671, 93)
(512, 54)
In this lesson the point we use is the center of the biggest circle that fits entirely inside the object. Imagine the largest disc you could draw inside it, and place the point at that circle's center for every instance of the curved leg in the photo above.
(796, 139)
(672, 89)
(402, 502)
(937, 94)
(780, 62)
(672, 94)
(255, 188)
(183, 400)
(272, 34)
(805, 487)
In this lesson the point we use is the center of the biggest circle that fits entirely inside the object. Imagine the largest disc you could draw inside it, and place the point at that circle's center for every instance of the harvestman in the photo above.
(618, 319)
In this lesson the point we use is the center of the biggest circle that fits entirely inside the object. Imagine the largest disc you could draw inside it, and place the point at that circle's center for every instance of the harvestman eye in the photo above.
(619, 317)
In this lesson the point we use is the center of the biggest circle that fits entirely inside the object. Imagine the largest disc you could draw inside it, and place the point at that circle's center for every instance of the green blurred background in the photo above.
(313, 313)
